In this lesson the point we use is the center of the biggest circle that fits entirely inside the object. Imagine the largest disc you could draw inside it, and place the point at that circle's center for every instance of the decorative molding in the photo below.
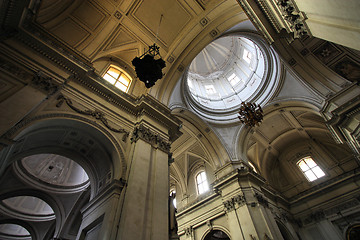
(293, 17)
(153, 138)
(96, 114)
(14, 70)
(188, 231)
(262, 201)
(237, 200)
(47, 84)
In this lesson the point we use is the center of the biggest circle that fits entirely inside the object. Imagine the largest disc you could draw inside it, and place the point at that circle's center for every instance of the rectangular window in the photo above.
(247, 56)
(233, 79)
(210, 89)
(310, 169)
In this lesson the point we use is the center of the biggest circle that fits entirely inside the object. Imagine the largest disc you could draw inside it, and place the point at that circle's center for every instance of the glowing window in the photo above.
(117, 78)
(310, 169)
(173, 193)
(247, 56)
(210, 89)
(233, 79)
(202, 184)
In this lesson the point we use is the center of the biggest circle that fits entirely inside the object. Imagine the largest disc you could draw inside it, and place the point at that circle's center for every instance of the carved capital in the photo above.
(146, 134)
(188, 231)
(237, 200)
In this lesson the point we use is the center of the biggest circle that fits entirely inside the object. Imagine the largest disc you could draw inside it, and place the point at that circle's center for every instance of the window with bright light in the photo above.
(233, 79)
(247, 56)
(210, 89)
(173, 192)
(310, 169)
(202, 184)
(117, 78)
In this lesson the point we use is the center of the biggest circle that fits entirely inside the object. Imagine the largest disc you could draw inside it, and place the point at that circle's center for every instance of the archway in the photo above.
(216, 235)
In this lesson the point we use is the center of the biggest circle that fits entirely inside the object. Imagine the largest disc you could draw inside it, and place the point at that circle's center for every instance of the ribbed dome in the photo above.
(226, 72)
(214, 58)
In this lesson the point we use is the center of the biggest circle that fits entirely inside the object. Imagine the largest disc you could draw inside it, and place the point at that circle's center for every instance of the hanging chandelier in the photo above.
(148, 67)
(250, 114)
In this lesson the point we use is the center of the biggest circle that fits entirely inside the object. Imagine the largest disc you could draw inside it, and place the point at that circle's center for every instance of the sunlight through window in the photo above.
(202, 184)
(117, 78)
(310, 169)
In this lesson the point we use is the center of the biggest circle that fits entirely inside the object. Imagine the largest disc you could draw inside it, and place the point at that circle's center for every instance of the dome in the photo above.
(14, 231)
(29, 207)
(226, 72)
(55, 170)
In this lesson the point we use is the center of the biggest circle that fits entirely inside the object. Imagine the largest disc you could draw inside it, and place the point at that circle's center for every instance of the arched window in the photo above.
(310, 169)
(118, 78)
(201, 182)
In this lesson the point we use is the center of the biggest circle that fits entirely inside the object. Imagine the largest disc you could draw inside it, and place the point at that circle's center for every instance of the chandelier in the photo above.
(250, 114)
(147, 68)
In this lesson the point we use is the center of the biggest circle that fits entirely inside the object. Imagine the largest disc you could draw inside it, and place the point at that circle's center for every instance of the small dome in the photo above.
(13, 230)
(226, 72)
(29, 205)
(55, 169)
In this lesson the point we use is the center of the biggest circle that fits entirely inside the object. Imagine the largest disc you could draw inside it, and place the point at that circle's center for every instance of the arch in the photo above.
(85, 142)
(56, 206)
(217, 231)
(245, 133)
(285, 233)
(352, 231)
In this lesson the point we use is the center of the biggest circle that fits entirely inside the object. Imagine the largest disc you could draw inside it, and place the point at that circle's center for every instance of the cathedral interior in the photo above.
(88, 151)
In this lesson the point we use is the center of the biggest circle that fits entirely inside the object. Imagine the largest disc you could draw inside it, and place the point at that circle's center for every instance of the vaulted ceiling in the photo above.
(122, 30)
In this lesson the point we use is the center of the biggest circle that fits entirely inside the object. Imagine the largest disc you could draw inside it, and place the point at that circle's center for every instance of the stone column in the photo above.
(145, 212)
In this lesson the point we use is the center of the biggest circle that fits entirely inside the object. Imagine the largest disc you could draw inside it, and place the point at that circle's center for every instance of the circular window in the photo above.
(230, 70)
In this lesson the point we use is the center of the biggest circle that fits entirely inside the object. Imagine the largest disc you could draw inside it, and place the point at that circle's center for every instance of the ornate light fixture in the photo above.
(147, 68)
(250, 114)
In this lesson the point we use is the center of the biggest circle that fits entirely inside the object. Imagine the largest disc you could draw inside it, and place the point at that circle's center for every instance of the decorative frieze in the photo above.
(146, 134)
(294, 17)
(45, 83)
(94, 113)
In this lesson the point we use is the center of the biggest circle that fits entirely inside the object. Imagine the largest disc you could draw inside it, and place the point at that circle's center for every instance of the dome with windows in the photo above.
(225, 73)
